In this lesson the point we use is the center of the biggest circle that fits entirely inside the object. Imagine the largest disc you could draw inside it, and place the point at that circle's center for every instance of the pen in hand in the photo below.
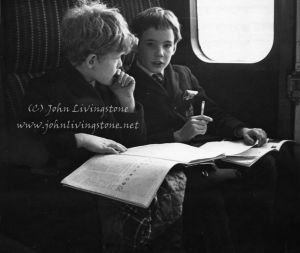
(202, 107)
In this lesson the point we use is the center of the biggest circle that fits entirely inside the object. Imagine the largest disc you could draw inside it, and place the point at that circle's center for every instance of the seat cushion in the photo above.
(16, 85)
(32, 42)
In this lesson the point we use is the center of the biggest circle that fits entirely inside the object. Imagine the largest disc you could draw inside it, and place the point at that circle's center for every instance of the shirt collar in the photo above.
(146, 70)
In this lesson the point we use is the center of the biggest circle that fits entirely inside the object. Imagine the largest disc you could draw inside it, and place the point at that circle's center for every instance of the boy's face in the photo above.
(105, 68)
(156, 48)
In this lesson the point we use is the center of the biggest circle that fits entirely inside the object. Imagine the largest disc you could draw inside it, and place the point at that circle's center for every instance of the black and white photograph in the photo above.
(149, 126)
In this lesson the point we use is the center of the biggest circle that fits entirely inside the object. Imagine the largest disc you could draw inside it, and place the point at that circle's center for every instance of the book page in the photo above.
(276, 144)
(240, 160)
(227, 147)
(133, 180)
(179, 152)
(250, 156)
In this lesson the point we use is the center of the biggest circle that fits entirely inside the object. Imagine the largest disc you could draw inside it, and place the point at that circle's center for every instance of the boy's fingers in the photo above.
(199, 122)
(122, 146)
(119, 76)
(201, 131)
(118, 147)
(131, 80)
(201, 127)
(127, 80)
(261, 141)
(109, 150)
(122, 77)
(203, 117)
(248, 140)
(118, 72)
(123, 81)
(202, 122)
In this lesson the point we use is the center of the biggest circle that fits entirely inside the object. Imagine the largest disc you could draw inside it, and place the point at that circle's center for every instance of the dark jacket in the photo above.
(165, 110)
(77, 107)
(66, 89)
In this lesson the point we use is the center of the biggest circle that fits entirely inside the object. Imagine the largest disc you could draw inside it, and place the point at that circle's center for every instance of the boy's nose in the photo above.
(159, 51)
(120, 63)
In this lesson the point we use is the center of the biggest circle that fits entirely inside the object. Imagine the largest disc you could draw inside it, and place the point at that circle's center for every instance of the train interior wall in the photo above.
(255, 93)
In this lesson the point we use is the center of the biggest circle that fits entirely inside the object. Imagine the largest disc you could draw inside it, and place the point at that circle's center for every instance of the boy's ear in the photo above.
(175, 47)
(90, 60)
(135, 45)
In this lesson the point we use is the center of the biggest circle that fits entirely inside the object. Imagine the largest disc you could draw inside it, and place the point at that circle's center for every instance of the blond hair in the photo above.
(93, 28)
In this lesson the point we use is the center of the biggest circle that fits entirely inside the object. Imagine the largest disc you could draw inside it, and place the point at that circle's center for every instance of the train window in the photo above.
(232, 31)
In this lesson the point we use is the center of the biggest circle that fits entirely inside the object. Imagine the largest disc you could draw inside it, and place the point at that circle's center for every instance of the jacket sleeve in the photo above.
(223, 124)
(36, 101)
(133, 127)
(161, 137)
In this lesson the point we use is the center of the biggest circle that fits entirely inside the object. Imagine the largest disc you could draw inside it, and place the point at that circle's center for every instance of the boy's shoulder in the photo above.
(49, 79)
(180, 68)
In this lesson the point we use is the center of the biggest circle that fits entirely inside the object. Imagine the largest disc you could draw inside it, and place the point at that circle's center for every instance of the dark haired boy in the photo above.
(161, 88)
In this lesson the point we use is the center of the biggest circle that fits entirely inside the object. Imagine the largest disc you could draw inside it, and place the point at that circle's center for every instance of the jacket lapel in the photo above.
(146, 83)
(172, 83)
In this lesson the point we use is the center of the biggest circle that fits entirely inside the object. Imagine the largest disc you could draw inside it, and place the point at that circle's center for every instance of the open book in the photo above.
(251, 156)
(134, 176)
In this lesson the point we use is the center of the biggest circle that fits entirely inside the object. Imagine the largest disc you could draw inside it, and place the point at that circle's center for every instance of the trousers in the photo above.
(285, 227)
(229, 216)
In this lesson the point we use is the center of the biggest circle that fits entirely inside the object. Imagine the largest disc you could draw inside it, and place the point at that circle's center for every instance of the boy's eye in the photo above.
(167, 46)
(150, 44)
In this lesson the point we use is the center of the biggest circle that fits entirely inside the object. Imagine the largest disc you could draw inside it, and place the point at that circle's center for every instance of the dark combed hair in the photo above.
(158, 18)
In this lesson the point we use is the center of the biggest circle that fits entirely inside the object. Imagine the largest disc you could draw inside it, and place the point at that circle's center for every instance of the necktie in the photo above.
(158, 78)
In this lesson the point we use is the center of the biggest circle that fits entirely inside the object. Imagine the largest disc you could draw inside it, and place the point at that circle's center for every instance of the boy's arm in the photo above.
(123, 87)
(133, 130)
(161, 137)
(58, 144)
(223, 124)
(133, 126)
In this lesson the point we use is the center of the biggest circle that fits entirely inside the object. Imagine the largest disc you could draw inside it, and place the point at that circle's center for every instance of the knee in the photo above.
(268, 161)
(266, 167)
(288, 160)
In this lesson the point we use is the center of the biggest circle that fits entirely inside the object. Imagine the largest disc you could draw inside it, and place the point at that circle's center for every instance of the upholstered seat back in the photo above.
(32, 44)
(35, 209)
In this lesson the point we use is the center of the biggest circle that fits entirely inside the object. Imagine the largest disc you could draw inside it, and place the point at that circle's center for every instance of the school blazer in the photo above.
(165, 110)
(66, 89)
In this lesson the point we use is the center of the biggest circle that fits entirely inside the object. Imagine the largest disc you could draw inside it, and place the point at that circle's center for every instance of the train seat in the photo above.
(36, 210)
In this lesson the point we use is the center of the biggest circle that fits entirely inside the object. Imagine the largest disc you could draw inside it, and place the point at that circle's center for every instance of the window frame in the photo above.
(195, 43)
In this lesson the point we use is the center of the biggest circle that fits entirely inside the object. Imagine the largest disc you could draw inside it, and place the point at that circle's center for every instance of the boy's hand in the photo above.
(251, 135)
(194, 126)
(123, 87)
(98, 144)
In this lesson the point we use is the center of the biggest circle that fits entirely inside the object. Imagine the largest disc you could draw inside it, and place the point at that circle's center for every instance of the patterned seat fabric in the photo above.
(32, 44)
(31, 47)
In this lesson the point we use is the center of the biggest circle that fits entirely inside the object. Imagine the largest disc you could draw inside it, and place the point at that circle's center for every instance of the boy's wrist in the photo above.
(177, 137)
(239, 132)
(128, 102)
